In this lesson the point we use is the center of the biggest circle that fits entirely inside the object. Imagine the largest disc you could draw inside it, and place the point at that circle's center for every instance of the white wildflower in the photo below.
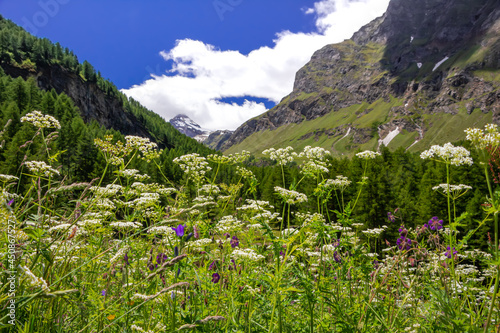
(289, 196)
(282, 155)
(368, 154)
(448, 154)
(247, 254)
(193, 165)
(40, 120)
(35, 281)
(126, 225)
(41, 168)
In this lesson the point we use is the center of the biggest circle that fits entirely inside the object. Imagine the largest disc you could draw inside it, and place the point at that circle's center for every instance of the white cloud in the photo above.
(202, 74)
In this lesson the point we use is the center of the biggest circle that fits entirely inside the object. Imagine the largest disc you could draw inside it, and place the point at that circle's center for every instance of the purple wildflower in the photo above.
(103, 293)
(189, 236)
(403, 232)
(234, 265)
(336, 256)
(235, 242)
(391, 217)
(161, 258)
(449, 252)
(10, 202)
(435, 224)
(227, 235)
(125, 258)
(179, 230)
(211, 266)
(404, 243)
(215, 277)
(176, 251)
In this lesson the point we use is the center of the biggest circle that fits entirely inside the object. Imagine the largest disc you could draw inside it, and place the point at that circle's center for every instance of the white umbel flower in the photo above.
(448, 153)
(41, 168)
(368, 154)
(289, 196)
(41, 120)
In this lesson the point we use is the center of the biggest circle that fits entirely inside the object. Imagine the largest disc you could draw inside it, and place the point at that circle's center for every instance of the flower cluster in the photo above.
(193, 165)
(247, 254)
(220, 159)
(7, 178)
(133, 173)
(228, 224)
(113, 152)
(289, 196)
(314, 153)
(490, 137)
(312, 168)
(339, 183)
(282, 155)
(244, 172)
(147, 148)
(434, 224)
(448, 154)
(126, 225)
(368, 154)
(403, 242)
(456, 190)
(35, 281)
(40, 120)
(41, 168)
(240, 157)
(108, 191)
(449, 252)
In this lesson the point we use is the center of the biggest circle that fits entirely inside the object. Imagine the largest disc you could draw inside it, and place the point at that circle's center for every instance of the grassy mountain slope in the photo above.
(424, 72)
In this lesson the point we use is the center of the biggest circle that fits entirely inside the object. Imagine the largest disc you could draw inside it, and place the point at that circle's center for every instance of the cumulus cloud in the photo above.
(202, 74)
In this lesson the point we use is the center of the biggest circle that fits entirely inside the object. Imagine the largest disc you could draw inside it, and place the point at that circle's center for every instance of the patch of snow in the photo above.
(439, 63)
(412, 144)
(411, 39)
(419, 64)
(203, 137)
(348, 131)
(390, 136)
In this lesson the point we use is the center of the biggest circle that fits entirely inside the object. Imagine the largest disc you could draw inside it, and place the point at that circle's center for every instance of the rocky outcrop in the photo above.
(93, 103)
(432, 54)
(217, 138)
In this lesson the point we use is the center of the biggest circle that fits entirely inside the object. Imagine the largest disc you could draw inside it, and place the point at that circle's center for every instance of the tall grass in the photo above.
(135, 256)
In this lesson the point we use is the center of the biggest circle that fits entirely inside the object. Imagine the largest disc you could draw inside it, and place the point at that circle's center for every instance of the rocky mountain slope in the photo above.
(418, 75)
(94, 104)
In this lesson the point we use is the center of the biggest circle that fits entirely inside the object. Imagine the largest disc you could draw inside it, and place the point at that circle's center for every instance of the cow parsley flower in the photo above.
(35, 281)
(490, 137)
(281, 155)
(368, 155)
(40, 168)
(449, 154)
(41, 120)
(289, 196)
(193, 165)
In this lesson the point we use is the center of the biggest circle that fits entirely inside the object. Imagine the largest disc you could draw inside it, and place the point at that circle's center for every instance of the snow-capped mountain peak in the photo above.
(187, 126)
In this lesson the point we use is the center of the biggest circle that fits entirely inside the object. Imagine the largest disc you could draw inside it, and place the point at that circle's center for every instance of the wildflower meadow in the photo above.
(127, 254)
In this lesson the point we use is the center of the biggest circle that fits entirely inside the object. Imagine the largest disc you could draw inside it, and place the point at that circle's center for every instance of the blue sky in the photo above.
(220, 62)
